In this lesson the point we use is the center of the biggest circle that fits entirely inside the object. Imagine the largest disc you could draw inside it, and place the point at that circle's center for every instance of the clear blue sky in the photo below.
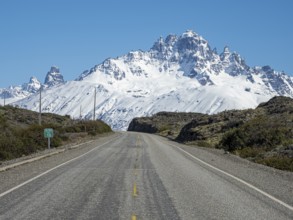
(75, 35)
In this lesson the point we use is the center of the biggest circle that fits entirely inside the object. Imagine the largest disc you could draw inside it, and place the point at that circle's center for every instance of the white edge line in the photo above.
(54, 168)
(30, 160)
(41, 157)
(238, 179)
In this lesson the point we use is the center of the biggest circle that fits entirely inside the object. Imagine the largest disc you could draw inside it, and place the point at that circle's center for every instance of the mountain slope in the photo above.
(179, 73)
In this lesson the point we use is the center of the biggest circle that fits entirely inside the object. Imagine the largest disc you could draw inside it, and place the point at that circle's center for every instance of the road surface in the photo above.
(141, 176)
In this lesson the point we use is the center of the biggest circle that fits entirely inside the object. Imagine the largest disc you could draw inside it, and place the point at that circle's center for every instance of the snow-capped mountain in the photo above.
(15, 93)
(179, 73)
(32, 86)
(53, 77)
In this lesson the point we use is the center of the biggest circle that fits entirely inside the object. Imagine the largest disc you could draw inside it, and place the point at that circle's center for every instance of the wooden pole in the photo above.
(40, 107)
(94, 116)
(4, 97)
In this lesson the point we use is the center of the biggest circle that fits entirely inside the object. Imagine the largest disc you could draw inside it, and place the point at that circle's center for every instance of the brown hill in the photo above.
(20, 133)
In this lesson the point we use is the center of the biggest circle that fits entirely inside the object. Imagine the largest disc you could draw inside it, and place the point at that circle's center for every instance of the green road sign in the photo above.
(48, 133)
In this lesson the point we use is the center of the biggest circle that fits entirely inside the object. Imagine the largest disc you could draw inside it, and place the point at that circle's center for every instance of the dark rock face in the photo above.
(207, 127)
(165, 123)
(141, 126)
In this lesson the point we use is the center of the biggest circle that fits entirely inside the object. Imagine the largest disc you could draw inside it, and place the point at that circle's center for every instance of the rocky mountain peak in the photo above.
(191, 41)
(189, 45)
(32, 86)
(54, 77)
(171, 39)
(190, 34)
(226, 53)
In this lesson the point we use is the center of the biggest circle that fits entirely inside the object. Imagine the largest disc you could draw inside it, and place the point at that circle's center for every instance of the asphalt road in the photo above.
(140, 176)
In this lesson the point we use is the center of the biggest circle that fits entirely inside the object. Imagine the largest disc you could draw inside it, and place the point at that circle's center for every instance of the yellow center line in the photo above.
(138, 142)
(134, 194)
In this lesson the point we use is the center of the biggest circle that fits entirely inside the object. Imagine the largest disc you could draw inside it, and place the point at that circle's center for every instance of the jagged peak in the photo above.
(190, 34)
(171, 39)
(267, 68)
(159, 45)
(233, 57)
(34, 79)
(54, 69)
(187, 43)
(32, 86)
(226, 50)
(225, 54)
(54, 77)
(215, 51)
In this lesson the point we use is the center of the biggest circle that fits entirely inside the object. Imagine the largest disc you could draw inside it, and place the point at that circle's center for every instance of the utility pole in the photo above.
(40, 107)
(94, 116)
(4, 97)
(80, 113)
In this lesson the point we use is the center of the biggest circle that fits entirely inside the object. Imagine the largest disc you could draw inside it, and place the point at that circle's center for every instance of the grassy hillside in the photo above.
(263, 135)
(21, 135)
(267, 138)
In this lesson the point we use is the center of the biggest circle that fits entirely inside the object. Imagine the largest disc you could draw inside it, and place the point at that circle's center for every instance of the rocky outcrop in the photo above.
(141, 125)
(54, 77)
(165, 123)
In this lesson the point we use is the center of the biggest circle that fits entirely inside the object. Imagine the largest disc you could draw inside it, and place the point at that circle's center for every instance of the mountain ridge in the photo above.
(178, 73)
(16, 93)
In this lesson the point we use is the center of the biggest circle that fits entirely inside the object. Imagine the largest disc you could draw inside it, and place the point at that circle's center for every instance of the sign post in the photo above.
(48, 133)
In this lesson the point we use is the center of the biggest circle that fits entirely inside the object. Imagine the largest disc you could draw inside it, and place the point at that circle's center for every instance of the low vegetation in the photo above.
(263, 135)
(21, 135)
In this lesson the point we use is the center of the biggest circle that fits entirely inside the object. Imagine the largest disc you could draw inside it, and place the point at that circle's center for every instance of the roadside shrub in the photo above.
(257, 133)
(92, 133)
(232, 124)
(10, 146)
(279, 162)
(4, 155)
(64, 138)
(93, 127)
(164, 128)
(249, 152)
(21, 135)
(204, 144)
(233, 140)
